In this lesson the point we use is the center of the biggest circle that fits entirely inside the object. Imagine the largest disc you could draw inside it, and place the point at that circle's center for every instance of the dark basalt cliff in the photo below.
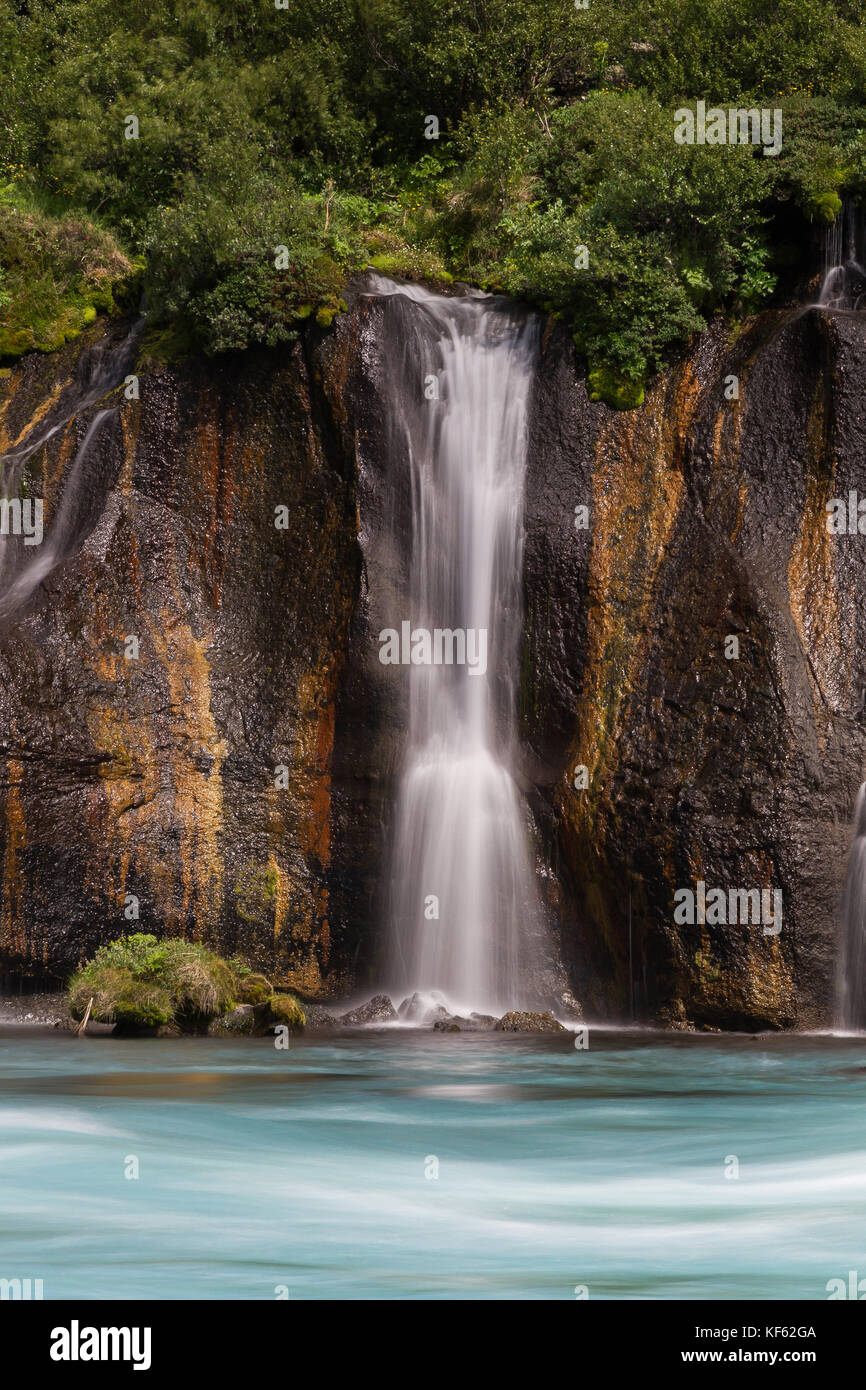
(158, 777)
(708, 520)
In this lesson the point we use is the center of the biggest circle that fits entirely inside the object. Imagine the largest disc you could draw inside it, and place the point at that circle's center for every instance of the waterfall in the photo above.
(851, 991)
(101, 369)
(464, 919)
(843, 277)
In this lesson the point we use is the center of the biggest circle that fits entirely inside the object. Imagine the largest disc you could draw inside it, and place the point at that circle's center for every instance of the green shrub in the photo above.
(240, 272)
(141, 982)
(56, 274)
(608, 385)
(305, 128)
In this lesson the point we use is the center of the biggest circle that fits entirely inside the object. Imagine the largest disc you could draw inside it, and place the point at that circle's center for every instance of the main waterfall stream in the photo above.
(463, 912)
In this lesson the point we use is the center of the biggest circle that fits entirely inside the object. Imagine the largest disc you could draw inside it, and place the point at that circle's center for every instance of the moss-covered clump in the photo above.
(285, 1009)
(608, 385)
(141, 984)
(824, 207)
(56, 275)
(251, 988)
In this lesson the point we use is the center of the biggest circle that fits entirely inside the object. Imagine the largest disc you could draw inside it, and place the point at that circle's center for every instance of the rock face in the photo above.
(235, 778)
(152, 783)
(708, 522)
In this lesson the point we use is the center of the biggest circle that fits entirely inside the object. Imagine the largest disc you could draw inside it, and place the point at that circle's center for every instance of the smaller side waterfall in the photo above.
(844, 279)
(23, 566)
(851, 991)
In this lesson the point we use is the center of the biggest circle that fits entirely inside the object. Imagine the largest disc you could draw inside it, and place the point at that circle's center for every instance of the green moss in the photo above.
(608, 385)
(56, 275)
(325, 317)
(390, 254)
(256, 892)
(253, 988)
(824, 207)
(141, 983)
(285, 1009)
(412, 264)
(706, 967)
(163, 346)
(141, 1007)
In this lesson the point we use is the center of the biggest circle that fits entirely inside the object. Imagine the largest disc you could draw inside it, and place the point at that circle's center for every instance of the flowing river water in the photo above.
(404, 1164)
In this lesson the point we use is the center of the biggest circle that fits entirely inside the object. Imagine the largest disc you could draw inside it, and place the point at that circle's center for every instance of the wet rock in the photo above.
(239, 1021)
(379, 1009)
(707, 521)
(475, 1023)
(519, 1022)
(36, 1011)
(569, 1006)
(319, 1019)
(423, 1009)
(675, 1018)
(155, 777)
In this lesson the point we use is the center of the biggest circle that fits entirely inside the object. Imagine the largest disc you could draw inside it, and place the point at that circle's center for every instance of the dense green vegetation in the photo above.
(141, 984)
(281, 150)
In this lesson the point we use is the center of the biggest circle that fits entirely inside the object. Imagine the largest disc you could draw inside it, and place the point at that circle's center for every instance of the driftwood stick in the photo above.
(86, 1017)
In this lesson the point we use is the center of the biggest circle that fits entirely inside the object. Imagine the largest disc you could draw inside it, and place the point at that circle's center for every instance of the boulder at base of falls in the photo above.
(379, 1009)
(423, 1008)
(319, 1020)
(517, 1022)
(475, 1023)
(570, 1006)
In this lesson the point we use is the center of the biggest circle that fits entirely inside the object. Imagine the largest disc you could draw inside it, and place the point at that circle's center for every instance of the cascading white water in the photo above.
(851, 990)
(22, 568)
(464, 915)
(843, 281)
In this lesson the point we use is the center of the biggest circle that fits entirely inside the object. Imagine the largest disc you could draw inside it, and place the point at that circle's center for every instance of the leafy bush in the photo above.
(56, 274)
(305, 128)
(608, 385)
(141, 983)
(241, 272)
